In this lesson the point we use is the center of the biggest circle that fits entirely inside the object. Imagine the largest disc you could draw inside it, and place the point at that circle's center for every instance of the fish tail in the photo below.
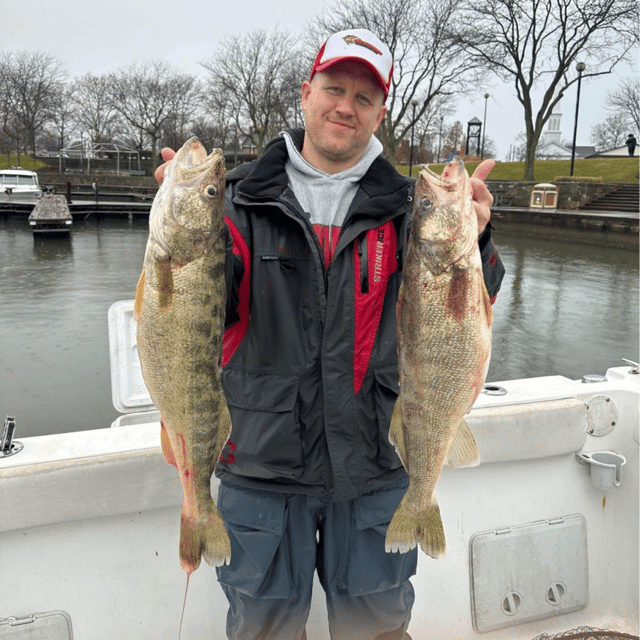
(204, 536)
(407, 530)
(217, 547)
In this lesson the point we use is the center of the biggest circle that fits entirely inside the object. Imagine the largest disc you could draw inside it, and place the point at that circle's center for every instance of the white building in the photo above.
(550, 146)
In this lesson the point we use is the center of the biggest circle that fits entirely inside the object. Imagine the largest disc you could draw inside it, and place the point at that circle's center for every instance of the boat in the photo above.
(51, 216)
(19, 186)
(542, 535)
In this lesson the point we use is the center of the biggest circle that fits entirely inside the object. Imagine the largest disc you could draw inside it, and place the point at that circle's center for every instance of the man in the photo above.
(631, 144)
(309, 481)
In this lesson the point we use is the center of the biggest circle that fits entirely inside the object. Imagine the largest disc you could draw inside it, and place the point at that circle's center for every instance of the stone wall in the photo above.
(571, 194)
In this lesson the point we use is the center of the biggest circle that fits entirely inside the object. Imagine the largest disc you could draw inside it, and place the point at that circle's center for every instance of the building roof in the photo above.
(618, 152)
(557, 151)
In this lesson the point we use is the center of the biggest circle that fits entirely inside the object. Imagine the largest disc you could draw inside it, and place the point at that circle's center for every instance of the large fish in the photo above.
(180, 307)
(444, 344)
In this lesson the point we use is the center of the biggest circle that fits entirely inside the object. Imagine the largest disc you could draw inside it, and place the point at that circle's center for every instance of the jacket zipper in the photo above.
(364, 263)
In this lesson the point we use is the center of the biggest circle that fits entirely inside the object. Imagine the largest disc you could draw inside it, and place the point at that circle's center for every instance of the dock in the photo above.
(86, 209)
(51, 216)
(608, 228)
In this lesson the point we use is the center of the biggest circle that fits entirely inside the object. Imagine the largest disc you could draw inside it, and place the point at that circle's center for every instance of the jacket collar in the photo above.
(382, 186)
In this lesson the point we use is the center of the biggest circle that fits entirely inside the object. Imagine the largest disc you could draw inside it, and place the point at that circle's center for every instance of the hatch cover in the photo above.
(53, 625)
(528, 572)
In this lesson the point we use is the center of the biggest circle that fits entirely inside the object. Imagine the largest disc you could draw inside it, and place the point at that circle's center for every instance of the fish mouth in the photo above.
(194, 155)
(190, 195)
(194, 166)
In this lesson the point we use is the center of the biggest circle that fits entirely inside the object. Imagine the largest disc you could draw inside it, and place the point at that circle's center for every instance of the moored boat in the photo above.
(19, 186)
(51, 216)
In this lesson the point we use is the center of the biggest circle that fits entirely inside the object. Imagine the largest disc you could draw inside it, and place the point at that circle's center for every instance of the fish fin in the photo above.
(137, 305)
(167, 449)
(464, 449)
(407, 530)
(204, 536)
(396, 433)
(165, 283)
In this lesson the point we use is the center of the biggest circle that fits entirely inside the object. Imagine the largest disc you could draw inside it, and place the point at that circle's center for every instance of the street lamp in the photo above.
(414, 104)
(581, 66)
(484, 124)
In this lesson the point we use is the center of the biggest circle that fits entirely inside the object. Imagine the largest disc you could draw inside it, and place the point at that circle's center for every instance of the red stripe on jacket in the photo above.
(380, 263)
(235, 334)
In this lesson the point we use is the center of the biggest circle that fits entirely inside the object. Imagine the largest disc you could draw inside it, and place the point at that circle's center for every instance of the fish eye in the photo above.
(211, 191)
(425, 202)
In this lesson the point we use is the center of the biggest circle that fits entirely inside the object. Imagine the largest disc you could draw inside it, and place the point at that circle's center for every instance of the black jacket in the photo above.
(310, 363)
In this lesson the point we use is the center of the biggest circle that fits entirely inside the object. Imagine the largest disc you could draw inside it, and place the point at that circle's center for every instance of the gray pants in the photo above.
(279, 540)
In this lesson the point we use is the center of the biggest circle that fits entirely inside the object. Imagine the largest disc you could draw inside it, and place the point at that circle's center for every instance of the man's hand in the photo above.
(167, 155)
(482, 198)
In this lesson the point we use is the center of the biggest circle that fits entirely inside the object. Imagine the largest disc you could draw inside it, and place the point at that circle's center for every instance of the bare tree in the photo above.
(289, 105)
(536, 43)
(30, 82)
(215, 124)
(611, 133)
(178, 126)
(61, 122)
(626, 100)
(94, 109)
(518, 151)
(147, 94)
(428, 63)
(253, 71)
(11, 127)
(430, 129)
(454, 140)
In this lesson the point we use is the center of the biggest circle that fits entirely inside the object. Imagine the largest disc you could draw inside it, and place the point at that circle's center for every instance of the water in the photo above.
(54, 298)
(567, 309)
(564, 309)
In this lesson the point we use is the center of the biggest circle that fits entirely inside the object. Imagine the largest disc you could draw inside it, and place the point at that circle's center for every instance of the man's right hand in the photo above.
(167, 155)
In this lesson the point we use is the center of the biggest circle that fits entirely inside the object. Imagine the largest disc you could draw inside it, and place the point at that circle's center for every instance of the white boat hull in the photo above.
(89, 525)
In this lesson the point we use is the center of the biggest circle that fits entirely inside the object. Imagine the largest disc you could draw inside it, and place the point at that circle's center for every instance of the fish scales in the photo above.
(444, 344)
(180, 308)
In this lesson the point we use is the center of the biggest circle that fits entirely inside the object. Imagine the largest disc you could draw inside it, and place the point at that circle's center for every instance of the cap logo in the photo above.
(359, 41)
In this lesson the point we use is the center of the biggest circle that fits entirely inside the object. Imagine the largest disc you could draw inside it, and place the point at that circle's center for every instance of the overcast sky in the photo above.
(99, 37)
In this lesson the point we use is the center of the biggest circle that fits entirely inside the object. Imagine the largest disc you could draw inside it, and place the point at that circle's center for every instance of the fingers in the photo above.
(484, 169)
(167, 155)
(482, 198)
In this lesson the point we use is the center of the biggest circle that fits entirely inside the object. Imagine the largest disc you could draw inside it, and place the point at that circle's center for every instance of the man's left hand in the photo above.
(167, 155)
(482, 198)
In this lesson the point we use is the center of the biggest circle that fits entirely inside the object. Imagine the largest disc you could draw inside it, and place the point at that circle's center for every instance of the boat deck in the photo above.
(51, 215)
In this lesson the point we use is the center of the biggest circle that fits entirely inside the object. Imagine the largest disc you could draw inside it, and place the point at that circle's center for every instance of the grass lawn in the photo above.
(606, 169)
(26, 162)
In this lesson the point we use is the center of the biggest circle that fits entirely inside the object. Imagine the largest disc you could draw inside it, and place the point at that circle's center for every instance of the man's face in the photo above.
(344, 106)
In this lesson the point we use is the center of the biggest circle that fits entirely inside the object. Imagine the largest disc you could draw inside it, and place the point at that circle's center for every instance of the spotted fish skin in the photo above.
(180, 308)
(444, 322)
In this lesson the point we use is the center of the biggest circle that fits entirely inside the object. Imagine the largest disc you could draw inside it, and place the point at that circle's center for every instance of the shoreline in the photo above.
(606, 228)
(602, 228)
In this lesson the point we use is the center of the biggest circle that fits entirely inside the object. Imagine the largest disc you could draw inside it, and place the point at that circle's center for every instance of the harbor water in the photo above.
(564, 309)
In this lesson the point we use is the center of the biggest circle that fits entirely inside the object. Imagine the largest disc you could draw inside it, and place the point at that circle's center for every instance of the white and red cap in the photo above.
(359, 45)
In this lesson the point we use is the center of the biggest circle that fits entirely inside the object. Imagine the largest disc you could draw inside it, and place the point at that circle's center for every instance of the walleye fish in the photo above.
(180, 308)
(444, 344)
